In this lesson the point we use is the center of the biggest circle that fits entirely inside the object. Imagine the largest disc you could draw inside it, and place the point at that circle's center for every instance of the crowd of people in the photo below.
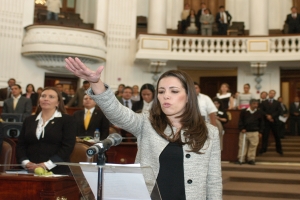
(202, 22)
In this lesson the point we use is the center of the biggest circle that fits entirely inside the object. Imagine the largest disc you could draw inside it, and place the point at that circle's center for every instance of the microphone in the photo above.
(113, 139)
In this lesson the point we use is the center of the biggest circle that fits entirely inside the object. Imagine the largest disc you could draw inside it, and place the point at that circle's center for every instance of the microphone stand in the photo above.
(100, 164)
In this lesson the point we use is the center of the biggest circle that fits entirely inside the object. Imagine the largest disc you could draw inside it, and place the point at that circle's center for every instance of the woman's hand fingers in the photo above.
(79, 69)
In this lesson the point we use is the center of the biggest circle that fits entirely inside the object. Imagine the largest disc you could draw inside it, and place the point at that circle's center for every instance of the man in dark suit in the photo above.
(200, 12)
(271, 109)
(284, 115)
(126, 97)
(6, 92)
(80, 93)
(17, 103)
(97, 120)
(263, 97)
(295, 117)
(64, 95)
(293, 21)
(223, 19)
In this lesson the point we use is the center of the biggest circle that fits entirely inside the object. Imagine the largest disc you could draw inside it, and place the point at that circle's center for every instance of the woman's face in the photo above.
(147, 95)
(120, 88)
(224, 88)
(49, 100)
(192, 12)
(246, 88)
(29, 88)
(135, 89)
(217, 104)
(172, 96)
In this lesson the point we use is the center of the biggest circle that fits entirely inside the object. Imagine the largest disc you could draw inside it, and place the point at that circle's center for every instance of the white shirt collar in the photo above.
(40, 129)
(251, 111)
(18, 97)
(91, 110)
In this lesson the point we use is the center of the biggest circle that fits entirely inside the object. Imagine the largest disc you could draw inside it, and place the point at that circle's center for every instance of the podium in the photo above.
(27, 186)
(119, 182)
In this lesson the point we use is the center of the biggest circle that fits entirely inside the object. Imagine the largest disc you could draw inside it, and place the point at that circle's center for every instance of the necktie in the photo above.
(222, 17)
(87, 119)
(270, 101)
(126, 104)
(15, 103)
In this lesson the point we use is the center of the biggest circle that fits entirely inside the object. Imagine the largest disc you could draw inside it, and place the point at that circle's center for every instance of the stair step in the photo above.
(261, 190)
(278, 159)
(286, 154)
(234, 197)
(264, 180)
(292, 144)
(230, 167)
(285, 149)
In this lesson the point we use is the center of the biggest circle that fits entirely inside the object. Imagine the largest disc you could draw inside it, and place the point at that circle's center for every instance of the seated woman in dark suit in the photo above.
(48, 136)
(221, 114)
(31, 94)
(146, 99)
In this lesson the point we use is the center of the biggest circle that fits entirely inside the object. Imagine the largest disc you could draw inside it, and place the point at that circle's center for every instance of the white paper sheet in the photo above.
(283, 119)
(120, 182)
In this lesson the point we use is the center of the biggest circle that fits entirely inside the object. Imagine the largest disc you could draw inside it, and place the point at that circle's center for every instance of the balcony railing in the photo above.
(279, 48)
(49, 45)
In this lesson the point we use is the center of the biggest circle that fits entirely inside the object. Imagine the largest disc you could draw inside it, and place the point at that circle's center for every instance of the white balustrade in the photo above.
(220, 48)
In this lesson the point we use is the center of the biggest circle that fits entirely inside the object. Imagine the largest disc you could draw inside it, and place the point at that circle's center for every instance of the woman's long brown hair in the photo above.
(61, 106)
(191, 120)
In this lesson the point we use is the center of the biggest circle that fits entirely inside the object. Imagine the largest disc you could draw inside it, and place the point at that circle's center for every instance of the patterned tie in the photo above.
(126, 104)
(87, 119)
(15, 103)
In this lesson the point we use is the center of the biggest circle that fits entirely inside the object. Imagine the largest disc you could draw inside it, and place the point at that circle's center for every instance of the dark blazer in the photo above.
(283, 110)
(65, 97)
(24, 106)
(218, 17)
(294, 109)
(78, 98)
(222, 114)
(199, 13)
(121, 101)
(293, 23)
(138, 106)
(273, 109)
(57, 144)
(33, 98)
(3, 94)
(98, 120)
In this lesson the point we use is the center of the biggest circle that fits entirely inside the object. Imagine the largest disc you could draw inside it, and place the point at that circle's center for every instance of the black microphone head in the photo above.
(92, 151)
(116, 138)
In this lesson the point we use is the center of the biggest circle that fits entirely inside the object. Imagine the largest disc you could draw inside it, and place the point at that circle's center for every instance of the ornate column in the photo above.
(259, 17)
(101, 15)
(157, 18)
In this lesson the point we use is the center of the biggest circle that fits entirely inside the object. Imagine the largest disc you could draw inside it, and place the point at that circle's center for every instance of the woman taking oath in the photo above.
(146, 99)
(173, 139)
(48, 136)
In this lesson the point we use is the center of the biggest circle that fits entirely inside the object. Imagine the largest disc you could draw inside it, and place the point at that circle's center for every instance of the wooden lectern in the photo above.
(14, 186)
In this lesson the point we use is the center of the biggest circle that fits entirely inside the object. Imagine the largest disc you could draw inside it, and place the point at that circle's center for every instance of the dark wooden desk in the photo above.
(37, 188)
(124, 153)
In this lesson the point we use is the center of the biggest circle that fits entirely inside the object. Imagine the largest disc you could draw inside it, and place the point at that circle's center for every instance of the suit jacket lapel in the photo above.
(94, 115)
(52, 123)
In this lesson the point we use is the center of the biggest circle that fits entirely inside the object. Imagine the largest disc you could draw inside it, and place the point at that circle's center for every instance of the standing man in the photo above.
(251, 124)
(17, 103)
(90, 119)
(53, 8)
(223, 20)
(207, 108)
(201, 12)
(80, 93)
(64, 95)
(126, 97)
(282, 118)
(293, 21)
(263, 97)
(271, 109)
(295, 117)
(5, 93)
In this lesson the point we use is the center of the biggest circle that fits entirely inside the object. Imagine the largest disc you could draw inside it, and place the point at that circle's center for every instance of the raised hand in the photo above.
(79, 69)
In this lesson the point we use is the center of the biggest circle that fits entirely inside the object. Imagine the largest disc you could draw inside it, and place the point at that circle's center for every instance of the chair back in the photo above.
(79, 153)
(8, 155)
